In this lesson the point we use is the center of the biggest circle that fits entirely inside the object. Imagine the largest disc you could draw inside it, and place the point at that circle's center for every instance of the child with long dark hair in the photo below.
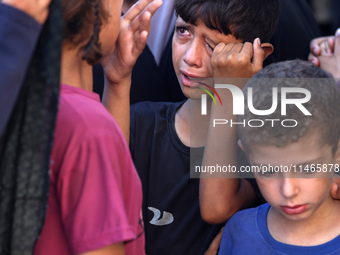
(95, 195)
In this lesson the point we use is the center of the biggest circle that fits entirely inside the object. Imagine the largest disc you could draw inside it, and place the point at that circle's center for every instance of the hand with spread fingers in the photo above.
(134, 29)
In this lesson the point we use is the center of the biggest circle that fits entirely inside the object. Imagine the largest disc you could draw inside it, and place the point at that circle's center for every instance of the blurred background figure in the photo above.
(327, 14)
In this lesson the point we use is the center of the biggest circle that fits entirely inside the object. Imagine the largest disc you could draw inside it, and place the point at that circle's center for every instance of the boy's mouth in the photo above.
(190, 80)
(293, 210)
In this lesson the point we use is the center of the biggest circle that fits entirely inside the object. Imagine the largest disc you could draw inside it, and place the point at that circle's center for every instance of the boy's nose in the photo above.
(289, 187)
(193, 54)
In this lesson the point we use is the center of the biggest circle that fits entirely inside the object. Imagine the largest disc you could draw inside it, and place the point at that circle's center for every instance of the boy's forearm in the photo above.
(222, 194)
(117, 101)
(221, 203)
(221, 197)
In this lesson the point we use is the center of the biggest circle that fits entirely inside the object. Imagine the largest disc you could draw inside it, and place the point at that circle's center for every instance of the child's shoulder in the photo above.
(242, 234)
(82, 113)
(150, 112)
(148, 107)
(248, 217)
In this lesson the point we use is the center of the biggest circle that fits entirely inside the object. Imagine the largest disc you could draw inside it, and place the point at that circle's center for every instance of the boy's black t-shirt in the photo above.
(173, 223)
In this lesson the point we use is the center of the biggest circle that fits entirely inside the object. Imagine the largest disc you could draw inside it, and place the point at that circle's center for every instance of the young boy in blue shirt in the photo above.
(300, 217)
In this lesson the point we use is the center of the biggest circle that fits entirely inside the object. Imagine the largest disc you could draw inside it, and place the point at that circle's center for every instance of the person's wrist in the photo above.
(119, 88)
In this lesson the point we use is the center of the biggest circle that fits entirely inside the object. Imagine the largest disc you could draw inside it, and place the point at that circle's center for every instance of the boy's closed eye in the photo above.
(316, 170)
(210, 48)
(267, 173)
(306, 169)
(210, 45)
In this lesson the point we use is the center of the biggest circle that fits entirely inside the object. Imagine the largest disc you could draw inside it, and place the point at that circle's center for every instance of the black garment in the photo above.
(19, 35)
(335, 17)
(163, 164)
(295, 29)
(26, 144)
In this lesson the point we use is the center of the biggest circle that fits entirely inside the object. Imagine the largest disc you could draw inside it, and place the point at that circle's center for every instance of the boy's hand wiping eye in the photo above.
(241, 60)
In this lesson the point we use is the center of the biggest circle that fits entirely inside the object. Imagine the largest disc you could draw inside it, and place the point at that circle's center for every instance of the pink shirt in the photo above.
(95, 193)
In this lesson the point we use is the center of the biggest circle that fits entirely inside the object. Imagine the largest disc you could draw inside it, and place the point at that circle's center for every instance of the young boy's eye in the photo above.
(181, 30)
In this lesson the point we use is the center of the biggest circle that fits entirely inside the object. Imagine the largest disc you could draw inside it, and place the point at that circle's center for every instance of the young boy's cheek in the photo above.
(268, 187)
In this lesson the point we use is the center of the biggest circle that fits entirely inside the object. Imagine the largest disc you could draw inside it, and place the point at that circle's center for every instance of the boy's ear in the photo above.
(239, 143)
(268, 49)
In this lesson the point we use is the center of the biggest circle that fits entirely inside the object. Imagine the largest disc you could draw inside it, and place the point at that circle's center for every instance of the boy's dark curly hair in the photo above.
(82, 23)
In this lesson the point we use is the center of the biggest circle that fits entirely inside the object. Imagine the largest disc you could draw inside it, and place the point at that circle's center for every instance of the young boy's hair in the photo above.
(324, 106)
(78, 26)
(245, 19)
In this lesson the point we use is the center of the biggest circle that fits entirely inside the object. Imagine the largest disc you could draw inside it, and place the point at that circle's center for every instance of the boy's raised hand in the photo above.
(320, 46)
(221, 197)
(331, 62)
(134, 29)
(241, 60)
